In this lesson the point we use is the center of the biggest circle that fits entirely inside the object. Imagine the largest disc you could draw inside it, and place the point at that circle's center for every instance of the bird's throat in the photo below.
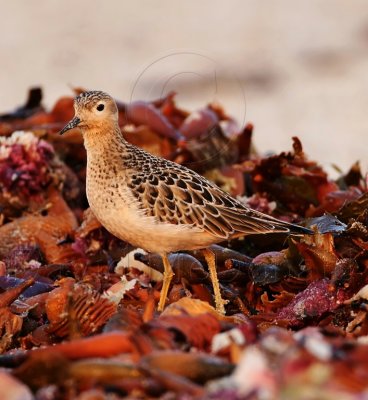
(103, 140)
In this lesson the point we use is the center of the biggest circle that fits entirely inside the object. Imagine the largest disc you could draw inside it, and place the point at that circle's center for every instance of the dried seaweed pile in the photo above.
(77, 306)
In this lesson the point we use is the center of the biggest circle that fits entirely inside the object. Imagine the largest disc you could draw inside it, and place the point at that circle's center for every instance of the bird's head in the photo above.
(93, 110)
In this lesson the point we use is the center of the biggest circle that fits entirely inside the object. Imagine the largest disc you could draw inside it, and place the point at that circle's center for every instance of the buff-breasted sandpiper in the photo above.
(156, 204)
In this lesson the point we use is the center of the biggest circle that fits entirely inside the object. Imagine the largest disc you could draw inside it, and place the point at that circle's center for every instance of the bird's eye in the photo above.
(100, 107)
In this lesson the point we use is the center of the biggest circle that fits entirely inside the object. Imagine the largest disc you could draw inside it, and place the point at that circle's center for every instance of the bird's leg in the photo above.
(211, 261)
(168, 274)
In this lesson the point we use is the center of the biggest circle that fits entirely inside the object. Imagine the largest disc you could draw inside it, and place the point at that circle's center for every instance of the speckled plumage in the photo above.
(154, 203)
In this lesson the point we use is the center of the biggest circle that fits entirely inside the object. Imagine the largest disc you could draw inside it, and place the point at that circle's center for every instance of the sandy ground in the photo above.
(291, 68)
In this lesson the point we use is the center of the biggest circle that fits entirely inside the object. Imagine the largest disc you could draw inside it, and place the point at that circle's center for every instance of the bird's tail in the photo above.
(299, 230)
(271, 224)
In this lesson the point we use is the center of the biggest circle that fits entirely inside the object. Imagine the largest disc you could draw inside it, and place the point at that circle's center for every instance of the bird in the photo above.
(156, 204)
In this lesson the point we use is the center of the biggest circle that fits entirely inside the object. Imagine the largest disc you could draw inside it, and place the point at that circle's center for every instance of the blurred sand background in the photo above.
(291, 68)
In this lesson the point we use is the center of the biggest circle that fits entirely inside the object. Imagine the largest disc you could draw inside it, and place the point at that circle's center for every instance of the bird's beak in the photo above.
(72, 124)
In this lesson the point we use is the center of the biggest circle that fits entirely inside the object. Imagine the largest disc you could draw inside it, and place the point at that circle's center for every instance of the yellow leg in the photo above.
(211, 261)
(168, 274)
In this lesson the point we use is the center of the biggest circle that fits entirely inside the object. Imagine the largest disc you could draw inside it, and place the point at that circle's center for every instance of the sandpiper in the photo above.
(156, 204)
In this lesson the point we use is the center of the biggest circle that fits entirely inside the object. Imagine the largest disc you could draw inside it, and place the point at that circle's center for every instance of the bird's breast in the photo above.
(110, 200)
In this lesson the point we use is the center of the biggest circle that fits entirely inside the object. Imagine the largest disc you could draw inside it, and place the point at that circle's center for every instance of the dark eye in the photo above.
(100, 107)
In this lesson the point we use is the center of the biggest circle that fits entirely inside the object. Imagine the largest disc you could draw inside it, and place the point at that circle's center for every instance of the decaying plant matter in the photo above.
(78, 315)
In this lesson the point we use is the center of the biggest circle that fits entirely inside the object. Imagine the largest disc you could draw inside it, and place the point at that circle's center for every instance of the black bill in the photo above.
(72, 124)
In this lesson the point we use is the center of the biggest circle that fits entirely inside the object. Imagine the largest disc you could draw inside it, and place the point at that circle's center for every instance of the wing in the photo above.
(177, 195)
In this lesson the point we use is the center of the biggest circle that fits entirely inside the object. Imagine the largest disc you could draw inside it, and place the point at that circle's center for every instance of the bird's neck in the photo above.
(104, 139)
